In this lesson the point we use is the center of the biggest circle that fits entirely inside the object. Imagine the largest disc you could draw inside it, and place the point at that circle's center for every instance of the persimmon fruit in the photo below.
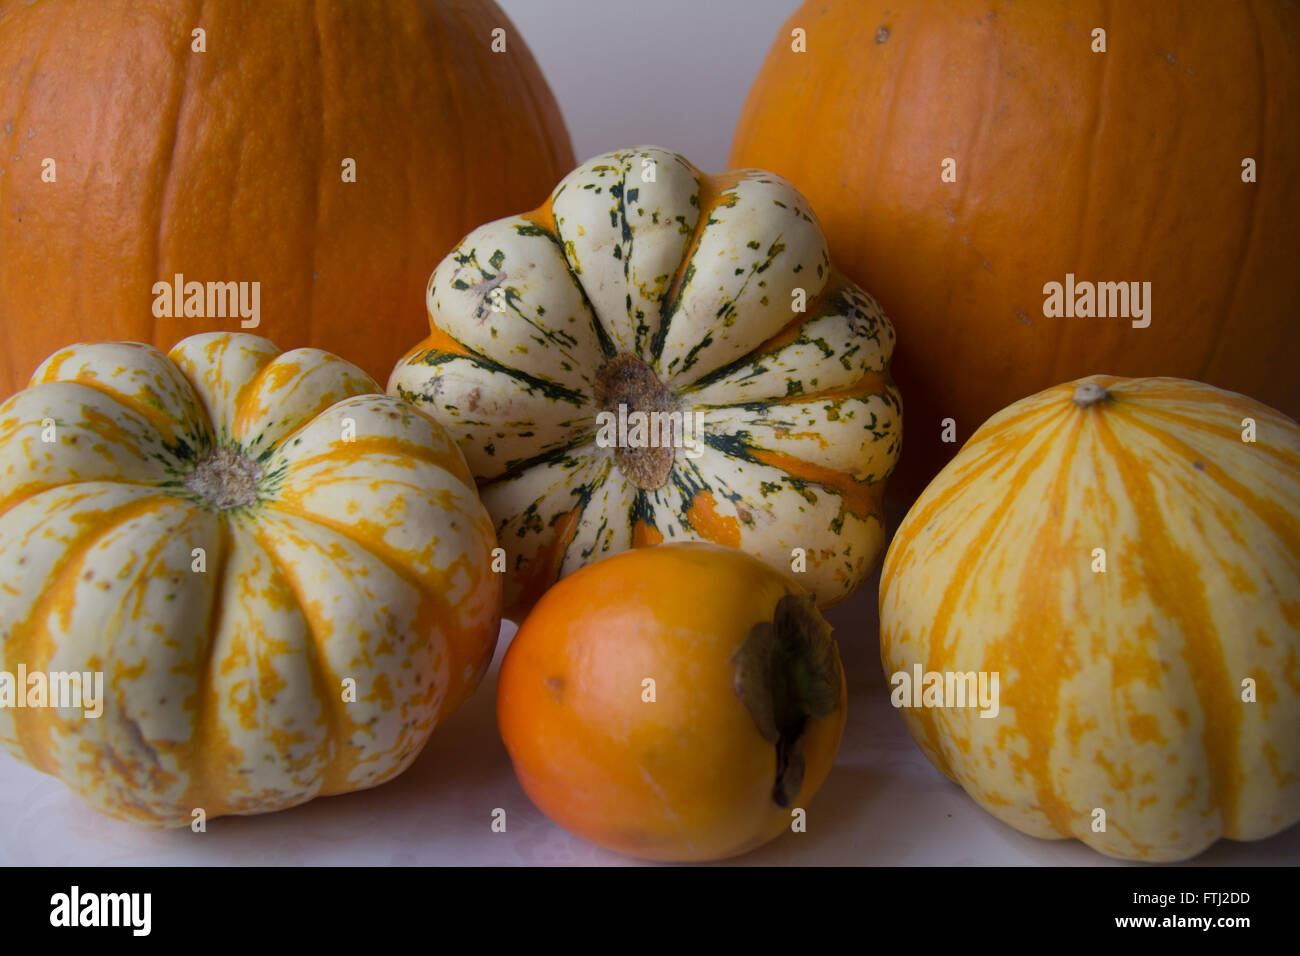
(679, 702)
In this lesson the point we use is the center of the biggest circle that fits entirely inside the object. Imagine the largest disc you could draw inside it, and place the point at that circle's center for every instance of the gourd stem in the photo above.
(1089, 393)
(226, 479)
(627, 386)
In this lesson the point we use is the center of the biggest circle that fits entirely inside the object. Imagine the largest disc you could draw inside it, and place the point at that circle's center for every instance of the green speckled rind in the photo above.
(702, 278)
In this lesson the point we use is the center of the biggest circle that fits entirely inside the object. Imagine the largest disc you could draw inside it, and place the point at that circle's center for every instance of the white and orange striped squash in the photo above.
(282, 574)
(1156, 679)
(645, 283)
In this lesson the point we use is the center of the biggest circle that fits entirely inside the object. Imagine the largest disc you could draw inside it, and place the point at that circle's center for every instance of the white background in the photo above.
(672, 73)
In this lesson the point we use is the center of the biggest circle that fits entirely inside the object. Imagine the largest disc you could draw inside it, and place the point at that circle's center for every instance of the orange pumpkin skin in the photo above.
(227, 165)
(686, 777)
(1123, 166)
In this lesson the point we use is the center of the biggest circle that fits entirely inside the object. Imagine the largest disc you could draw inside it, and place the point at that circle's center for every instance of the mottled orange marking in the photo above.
(814, 312)
(543, 217)
(872, 383)
(161, 420)
(859, 497)
(395, 453)
(274, 377)
(644, 535)
(538, 574)
(381, 690)
(704, 518)
(1145, 728)
(1188, 605)
(437, 341)
(713, 190)
(1035, 692)
(96, 421)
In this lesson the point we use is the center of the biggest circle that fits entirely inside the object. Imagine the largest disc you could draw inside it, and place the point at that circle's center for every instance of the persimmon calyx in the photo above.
(788, 672)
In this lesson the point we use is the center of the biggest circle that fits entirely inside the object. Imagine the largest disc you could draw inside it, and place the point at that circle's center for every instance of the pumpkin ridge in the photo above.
(32, 644)
(235, 788)
(972, 557)
(193, 516)
(200, 788)
(572, 450)
(1285, 455)
(543, 217)
(550, 554)
(787, 334)
(712, 189)
(1207, 665)
(1065, 818)
(552, 390)
(862, 498)
(1035, 670)
(374, 547)
(344, 758)
(264, 456)
(951, 494)
(161, 421)
(380, 445)
(1273, 517)
(169, 466)
(212, 367)
(989, 430)
(18, 497)
(630, 238)
(872, 383)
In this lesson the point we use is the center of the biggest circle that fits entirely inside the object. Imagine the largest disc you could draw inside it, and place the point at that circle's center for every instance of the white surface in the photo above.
(882, 804)
(672, 73)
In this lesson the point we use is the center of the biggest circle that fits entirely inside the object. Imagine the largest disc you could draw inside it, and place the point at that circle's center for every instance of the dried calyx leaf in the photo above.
(788, 671)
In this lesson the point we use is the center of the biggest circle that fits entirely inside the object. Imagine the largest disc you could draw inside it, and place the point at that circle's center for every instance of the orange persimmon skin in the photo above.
(687, 776)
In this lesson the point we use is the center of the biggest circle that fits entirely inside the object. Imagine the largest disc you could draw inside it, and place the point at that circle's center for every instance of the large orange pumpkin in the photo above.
(228, 165)
(1116, 166)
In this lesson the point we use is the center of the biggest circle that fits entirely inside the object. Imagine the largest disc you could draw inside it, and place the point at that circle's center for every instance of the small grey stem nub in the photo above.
(1089, 393)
